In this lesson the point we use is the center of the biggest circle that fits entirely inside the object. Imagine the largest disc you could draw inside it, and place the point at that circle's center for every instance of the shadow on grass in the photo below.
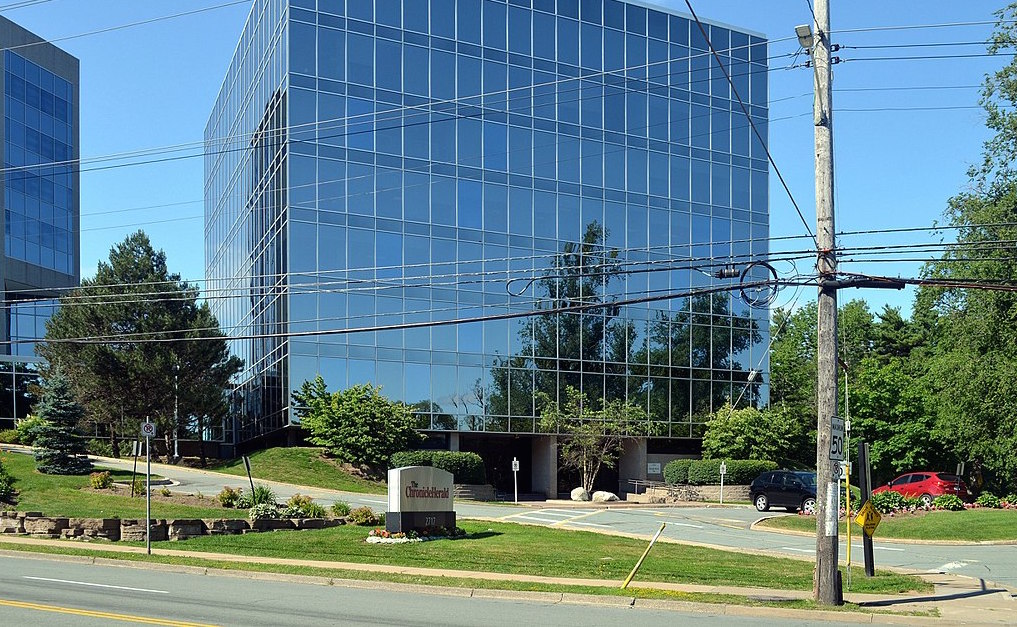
(936, 597)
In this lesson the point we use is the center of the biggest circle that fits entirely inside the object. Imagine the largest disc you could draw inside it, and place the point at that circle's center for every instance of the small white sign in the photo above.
(515, 465)
(148, 429)
(653, 468)
(723, 468)
(836, 438)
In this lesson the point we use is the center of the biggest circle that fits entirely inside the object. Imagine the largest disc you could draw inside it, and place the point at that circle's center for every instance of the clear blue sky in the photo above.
(153, 85)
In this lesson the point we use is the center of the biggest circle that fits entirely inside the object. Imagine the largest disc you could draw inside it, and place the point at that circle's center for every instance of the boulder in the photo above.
(101, 528)
(222, 527)
(580, 494)
(45, 526)
(132, 530)
(184, 529)
(601, 496)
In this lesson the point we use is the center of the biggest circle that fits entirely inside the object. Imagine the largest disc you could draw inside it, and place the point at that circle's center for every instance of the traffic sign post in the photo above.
(515, 477)
(837, 439)
(148, 431)
(723, 471)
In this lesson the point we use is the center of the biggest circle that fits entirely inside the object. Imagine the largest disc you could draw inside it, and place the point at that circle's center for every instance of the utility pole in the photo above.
(826, 586)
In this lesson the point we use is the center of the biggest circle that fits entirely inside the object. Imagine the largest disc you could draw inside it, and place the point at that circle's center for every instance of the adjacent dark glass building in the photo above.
(40, 200)
(378, 169)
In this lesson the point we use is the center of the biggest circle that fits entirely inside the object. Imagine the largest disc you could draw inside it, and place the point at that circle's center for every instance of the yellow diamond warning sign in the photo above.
(868, 518)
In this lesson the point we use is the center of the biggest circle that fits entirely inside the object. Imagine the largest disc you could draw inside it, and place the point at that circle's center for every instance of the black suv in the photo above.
(793, 489)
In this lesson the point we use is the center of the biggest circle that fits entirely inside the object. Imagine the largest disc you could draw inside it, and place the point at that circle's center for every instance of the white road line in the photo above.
(687, 525)
(370, 501)
(886, 548)
(788, 548)
(952, 566)
(543, 520)
(95, 585)
(585, 524)
(566, 513)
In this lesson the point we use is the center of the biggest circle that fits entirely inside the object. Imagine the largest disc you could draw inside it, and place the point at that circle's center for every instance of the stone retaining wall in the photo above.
(133, 530)
(696, 493)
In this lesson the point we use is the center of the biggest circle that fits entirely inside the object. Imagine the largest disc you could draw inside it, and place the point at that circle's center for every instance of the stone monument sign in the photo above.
(419, 497)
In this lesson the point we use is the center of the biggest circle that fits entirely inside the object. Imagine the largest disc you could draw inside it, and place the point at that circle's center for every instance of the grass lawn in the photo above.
(68, 495)
(302, 466)
(972, 525)
(533, 550)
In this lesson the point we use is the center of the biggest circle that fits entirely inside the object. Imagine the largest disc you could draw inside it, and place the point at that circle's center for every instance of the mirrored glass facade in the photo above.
(40, 201)
(389, 165)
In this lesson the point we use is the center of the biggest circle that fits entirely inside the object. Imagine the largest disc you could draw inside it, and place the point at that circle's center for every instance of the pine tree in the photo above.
(60, 449)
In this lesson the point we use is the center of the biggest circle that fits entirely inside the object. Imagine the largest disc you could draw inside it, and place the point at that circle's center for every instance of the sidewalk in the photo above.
(956, 600)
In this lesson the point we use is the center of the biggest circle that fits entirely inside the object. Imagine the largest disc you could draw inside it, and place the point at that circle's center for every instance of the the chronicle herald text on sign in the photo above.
(419, 497)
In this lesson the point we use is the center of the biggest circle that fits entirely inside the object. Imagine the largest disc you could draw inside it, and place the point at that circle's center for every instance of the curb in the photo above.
(756, 526)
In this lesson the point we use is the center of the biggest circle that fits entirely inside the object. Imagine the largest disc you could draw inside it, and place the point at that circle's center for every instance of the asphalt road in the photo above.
(44, 592)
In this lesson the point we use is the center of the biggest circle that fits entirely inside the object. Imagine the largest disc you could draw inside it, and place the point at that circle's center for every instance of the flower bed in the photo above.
(382, 536)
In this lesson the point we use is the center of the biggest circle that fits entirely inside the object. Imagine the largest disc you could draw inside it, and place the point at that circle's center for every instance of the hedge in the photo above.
(676, 472)
(707, 471)
(465, 467)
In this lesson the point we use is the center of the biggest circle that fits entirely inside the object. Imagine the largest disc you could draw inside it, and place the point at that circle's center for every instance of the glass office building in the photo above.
(378, 171)
(40, 200)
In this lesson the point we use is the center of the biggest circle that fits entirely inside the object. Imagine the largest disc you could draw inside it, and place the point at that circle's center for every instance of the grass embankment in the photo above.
(974, 525)
(69, 495)
(534, 550)
(301, 466)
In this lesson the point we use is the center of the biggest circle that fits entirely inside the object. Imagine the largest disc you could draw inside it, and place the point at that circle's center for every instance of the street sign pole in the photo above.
(865, 485)
(723, 471)
(148, 430)
(148, 494)
(515, 477)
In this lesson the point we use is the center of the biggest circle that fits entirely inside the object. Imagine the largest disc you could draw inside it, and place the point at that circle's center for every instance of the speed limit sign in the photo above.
(148, 429)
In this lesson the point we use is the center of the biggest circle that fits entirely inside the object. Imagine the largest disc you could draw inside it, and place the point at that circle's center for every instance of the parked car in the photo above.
(927, 486)
(793, 489)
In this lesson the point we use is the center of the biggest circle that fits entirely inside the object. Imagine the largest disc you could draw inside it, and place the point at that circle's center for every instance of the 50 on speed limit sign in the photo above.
(148, 429)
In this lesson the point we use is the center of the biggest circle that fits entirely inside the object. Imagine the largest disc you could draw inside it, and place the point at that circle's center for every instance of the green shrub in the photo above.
(165, 491)
(9, 436)
(987, 499)
(363, 516)
(465, 467)
(262, 511)
(6, 485)
(887, 501)
(105, 449)
(1010, 499)
(101, 480)
(302, 506)
(912, 502)
(230, 497)
(341, 509)
(28, 429)
(949, 502)
(676, 472)
(262, 495)
(138, 485)
(739, 471)
(410, 458)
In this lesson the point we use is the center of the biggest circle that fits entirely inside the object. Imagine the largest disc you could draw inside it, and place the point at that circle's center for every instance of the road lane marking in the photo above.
(371, 501)
(574, 518)
(95, 585)
(94, 614)
(543, 520)
(886, 548)
(585, 524)
(788, 548)
(688, 525)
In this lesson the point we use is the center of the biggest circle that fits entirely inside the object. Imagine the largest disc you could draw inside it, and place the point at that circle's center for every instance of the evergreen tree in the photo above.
(60, 449)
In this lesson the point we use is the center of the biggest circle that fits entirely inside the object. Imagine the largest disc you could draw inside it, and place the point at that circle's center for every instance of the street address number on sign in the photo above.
(837, 439)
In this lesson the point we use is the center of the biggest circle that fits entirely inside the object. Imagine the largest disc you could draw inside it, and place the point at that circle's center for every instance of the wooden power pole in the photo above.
(829, 451)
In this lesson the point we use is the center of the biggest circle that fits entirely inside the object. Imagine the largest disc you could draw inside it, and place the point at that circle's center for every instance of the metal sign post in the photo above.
(515, 477)
(247, 466)
(148, 430)
(723, 471)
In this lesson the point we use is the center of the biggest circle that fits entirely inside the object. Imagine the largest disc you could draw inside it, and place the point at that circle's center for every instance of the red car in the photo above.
(927, 486)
